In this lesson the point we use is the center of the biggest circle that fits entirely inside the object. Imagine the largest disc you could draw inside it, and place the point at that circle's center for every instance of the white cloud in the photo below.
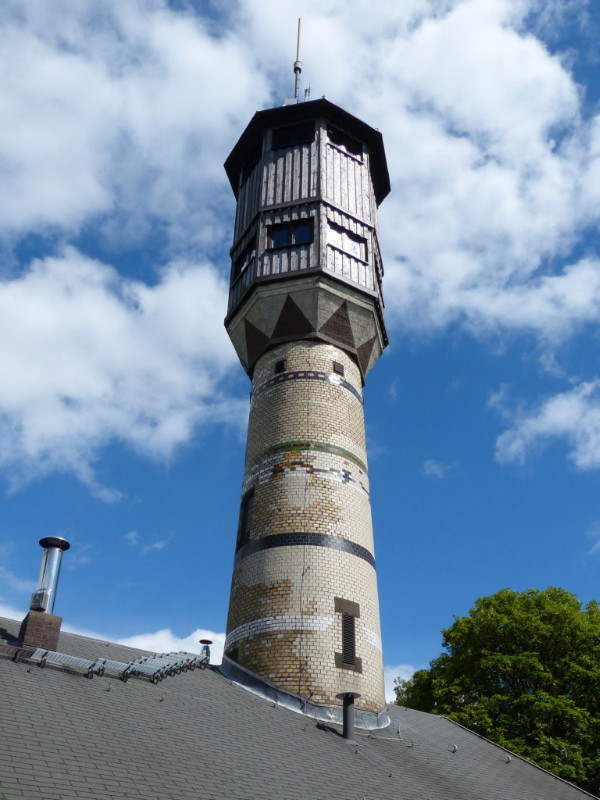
(10, 612)
(488, 150)
(593, 534)
(572, 417)
(436, 469)
(119, 108)
(165, 641)
(7, 549)
(132, 538)
(16, 584)
(88, 357)
(391, 673)
(83, 555)
(481, 46)
(159, 544)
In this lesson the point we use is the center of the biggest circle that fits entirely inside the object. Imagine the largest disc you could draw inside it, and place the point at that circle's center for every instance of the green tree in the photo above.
(522, 669)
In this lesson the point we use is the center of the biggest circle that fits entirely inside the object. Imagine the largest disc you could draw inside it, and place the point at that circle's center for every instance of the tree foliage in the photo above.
(522, 669)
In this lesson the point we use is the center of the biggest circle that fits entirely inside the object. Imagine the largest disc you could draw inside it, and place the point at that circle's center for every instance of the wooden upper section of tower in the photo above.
(250, 142)
(308, 179)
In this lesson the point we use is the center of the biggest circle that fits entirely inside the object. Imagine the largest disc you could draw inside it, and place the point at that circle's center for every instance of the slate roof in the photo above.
(197, 735)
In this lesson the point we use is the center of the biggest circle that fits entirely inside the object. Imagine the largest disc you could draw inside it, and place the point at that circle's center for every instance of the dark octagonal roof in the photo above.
(301, 112)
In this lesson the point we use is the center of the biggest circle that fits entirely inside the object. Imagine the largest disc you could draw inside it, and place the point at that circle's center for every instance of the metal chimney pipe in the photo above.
(43, 599)
(348, 699)
(205, 651)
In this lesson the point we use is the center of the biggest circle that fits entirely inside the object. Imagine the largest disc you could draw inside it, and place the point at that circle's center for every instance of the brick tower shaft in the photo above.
(304, 611)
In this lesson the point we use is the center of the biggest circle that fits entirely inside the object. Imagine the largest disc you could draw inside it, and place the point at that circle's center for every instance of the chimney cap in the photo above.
(55, 541)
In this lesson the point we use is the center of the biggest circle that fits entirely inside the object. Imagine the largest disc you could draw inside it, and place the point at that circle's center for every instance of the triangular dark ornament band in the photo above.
(291, 322)
(338, 327)
(364, 354)
(256, 342)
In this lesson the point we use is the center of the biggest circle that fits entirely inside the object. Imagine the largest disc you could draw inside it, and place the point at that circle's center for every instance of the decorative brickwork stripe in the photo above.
(283, 622)
(276, 467)
(294, 622)
(298, 538)
(308, 375)
(372, 638)
(319, 447)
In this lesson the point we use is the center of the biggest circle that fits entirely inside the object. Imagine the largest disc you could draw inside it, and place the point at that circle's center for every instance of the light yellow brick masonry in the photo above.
(311, 409)
(288, 582)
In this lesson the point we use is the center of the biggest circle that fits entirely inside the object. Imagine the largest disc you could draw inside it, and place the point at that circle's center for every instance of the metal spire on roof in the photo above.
(297, 63)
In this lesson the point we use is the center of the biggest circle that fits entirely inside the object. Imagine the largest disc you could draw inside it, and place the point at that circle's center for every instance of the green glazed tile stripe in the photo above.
(320, 447)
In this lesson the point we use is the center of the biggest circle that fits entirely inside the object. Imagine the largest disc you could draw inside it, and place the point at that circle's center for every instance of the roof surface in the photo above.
(197, 735)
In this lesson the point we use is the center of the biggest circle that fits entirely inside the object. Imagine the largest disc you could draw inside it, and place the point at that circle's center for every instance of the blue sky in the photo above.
(122, 405)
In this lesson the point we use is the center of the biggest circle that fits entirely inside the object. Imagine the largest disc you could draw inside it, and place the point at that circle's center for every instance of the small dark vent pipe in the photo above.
(348, 699)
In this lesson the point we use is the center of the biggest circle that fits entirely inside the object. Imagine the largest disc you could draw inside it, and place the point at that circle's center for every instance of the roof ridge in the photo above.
(154, 667)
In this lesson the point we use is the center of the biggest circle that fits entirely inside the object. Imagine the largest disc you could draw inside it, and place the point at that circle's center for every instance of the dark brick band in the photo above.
(315, 539)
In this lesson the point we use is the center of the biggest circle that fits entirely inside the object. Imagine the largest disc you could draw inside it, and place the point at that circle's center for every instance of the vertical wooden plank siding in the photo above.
(285, 260)
(343, 263)
(291, 174)
(348, 267)
(248, 200)
(348, 182)
(242, 283)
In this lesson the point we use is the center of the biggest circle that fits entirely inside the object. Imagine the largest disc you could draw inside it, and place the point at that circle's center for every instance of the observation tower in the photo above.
(305, 316)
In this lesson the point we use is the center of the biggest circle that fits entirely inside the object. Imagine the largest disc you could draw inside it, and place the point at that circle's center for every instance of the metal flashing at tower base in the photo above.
(332, 715)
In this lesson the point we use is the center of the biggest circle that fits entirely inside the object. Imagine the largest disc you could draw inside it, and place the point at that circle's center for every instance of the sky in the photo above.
(123, 406)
